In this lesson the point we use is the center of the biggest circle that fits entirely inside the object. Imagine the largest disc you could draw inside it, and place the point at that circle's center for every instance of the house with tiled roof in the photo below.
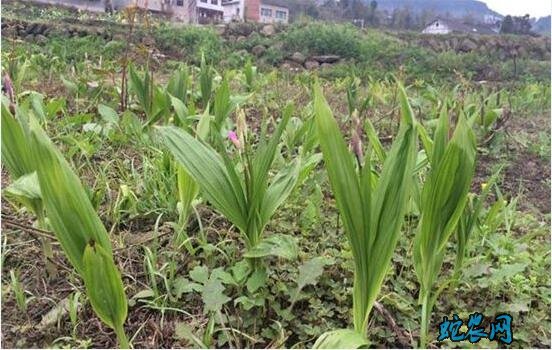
(447, 26)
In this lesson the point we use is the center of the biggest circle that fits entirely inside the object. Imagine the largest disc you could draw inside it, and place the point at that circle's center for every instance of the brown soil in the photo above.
(525, 173)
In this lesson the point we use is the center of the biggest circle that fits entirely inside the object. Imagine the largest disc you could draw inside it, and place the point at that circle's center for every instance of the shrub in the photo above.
(189, 41)
(321, 39)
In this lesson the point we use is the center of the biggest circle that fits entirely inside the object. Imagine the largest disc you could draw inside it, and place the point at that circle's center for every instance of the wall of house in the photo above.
(273, 14)
(252, 10)
(209, 11)
(437, 27)
(233, 10)
(177, 8)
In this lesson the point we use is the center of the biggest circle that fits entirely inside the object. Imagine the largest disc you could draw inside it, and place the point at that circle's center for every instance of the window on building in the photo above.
(281, 14)
(179, 2)
(214, 2)
(203, 1)
(266, 12)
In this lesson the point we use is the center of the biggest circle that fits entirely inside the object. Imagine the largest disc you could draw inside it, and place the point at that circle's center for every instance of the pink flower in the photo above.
(234, 138)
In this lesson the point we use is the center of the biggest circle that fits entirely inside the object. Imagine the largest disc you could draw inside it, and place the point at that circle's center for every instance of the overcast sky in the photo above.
(536, 8)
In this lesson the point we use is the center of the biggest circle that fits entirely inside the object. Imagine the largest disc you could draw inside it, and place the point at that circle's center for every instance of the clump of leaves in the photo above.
(372, 208)
(444, 197)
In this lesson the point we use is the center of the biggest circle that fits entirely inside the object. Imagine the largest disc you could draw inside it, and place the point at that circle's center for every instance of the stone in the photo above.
(41, 39)
(468, 45)
(454, 44)
(220, 29)
(268, 30)
(240, 28)
(241, 38)
(326, 58)
(521, 51)
(298, 57)
(242, 53)
(258, 50)
(286, 66)
(32, 28)
(29, 37)
(325, 65)
(433, 44)
(311, 64)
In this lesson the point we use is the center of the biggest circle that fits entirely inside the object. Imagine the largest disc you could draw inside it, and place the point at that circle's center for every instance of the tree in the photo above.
(516, 25)
(507, 25)
(372, 17)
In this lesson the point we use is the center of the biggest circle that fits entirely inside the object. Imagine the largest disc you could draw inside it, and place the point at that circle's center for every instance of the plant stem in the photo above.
(426, 312)
(121, 337)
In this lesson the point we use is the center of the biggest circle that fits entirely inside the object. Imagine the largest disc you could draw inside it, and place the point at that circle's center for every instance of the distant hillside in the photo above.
(454, 8)
(542, 26)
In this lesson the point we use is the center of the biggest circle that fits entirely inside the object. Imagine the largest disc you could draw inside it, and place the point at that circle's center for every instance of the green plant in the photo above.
(18, 292)
(74, 310)
(17, 157)
(250, 73)
(323, 39)
(206, 76)
(471, 220)
(153, 100)
(444, 196)
(248, 201)
(80, 232)
(372, 208)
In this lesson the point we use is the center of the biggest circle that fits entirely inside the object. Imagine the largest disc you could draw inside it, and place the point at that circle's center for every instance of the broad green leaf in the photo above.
(264, 157)
(26, 186)
(213, 296)
(67, 205)
(26, 190)
(223, 106)
(182, 285)
(256, 280)
(278, 191)
(374, 140)
(250, 302)
(283, 246)
(341, 339)
(16, 152)
(200, 274)
(187, 191)
(104, 286)
(108, 114)
(207, 168)
(311, 270)
(178, 85)
(205, 81)
(180, 109)
(240, 271)
(38, 105)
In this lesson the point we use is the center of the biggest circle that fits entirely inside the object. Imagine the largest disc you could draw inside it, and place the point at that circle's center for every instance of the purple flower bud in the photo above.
(7, 87)
(356, 145)
(234, 138)
(241, 126)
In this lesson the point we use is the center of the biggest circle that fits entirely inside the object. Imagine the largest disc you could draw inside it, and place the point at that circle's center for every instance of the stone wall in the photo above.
(502, 46)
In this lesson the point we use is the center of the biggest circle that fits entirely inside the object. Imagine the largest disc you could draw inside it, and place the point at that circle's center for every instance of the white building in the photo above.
(262, 11)
(233, 10)
(446, 26)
